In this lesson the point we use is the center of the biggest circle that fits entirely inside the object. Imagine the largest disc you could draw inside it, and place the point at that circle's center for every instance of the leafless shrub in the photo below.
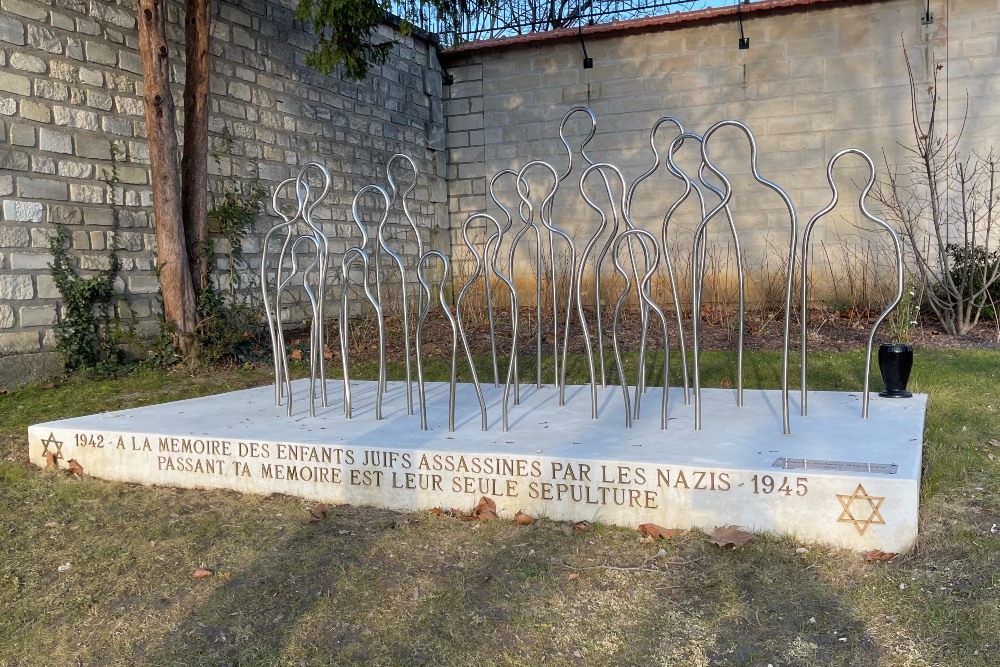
(945, 203)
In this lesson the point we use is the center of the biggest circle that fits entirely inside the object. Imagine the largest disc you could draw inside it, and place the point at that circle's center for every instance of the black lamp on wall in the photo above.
(744, 40)
(588, 62)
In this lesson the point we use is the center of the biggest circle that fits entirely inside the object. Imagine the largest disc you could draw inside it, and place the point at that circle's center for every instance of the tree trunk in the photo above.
(194, 163)
(179, 306)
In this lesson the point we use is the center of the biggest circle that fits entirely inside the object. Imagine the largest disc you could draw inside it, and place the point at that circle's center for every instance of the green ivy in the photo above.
(230, 323)
(88, 335)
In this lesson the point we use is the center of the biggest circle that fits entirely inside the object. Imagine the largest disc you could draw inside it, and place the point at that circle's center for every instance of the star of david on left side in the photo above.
(861, 523)
(51, 440)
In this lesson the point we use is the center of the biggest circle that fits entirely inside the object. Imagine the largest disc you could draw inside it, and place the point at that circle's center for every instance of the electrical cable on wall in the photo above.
(744, 40)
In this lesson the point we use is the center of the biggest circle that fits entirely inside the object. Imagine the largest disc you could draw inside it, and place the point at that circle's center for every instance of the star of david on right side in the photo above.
(861, 522)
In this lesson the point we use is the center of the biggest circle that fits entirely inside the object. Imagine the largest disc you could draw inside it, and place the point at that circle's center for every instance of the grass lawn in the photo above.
(101, 573)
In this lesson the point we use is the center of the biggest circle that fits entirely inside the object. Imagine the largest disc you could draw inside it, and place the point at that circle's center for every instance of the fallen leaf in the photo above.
(51, 524)
(318, 512)
(296, 354)
(65, 566)
(878, 556)
(202, 573)
(646, 539)
(327, 354)
(439, 512)
(50, 385)
(523, 519)
(659, 532)
(583, 526)
(574, 576)
(994, 442)
(725, 384)
(50, 459)
(75, 468)
(485, 510)
(730, 536)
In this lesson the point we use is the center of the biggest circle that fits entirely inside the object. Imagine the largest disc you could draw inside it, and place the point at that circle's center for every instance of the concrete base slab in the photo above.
(837, 479)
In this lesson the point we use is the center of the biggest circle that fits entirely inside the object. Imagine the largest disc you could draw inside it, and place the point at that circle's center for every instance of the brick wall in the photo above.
(818, 77)
(71, 93)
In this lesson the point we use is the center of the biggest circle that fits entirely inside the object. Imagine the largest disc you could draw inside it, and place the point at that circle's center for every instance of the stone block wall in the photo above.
(818, 77)
(71, 108)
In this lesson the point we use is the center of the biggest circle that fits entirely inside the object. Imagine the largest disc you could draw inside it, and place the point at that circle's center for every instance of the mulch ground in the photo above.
(717, 331)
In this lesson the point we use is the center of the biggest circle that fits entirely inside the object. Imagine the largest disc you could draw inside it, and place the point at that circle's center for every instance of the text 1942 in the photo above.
(89, 440)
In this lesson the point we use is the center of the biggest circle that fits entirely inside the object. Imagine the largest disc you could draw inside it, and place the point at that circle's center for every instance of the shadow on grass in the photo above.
(374, 587)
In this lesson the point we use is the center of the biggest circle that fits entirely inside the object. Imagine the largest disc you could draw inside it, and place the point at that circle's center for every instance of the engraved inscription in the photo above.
(367, 469)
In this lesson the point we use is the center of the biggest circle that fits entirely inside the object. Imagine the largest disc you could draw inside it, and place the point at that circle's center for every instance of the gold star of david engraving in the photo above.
(51, 440)
(861, 523)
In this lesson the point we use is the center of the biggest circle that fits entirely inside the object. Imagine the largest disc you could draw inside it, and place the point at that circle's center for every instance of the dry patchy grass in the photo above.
(375, 587)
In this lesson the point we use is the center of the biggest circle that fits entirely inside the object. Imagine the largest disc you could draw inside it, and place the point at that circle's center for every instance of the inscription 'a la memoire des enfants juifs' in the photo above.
(499, 476)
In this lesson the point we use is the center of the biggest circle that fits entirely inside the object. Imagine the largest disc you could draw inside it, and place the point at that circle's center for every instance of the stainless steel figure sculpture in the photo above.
(281, 379)
(645, 300)
(347, 263)
(528, 223)
(482, 267)
(428, 299)
(497, 241)
(804, 286)
(665, 246)
(290, 249)
(584, 256)
(304, 256)
(353, 254)
(689, 187)
(420, 253)
(792, 240)
(598, 305)
(545, 214)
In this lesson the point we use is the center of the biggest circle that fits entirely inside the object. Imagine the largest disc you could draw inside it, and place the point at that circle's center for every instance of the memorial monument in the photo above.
(844, 472)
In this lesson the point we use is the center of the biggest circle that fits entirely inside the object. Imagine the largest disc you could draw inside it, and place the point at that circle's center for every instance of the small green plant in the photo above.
(905, 317)
(230, 318)
(235, 213)
(970, 267)
(88, 336)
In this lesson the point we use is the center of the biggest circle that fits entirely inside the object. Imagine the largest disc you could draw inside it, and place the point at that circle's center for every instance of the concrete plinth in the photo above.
(837, 479)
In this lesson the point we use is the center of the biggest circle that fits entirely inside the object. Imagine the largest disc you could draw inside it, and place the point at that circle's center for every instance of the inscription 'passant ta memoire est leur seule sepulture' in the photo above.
(473, 474)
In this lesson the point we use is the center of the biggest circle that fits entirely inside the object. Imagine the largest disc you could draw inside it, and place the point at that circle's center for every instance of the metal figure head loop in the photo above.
(301, 177)
(656, 157)
(496, 200)
(392, 181)
(599, 167)
(356, 213)
(523, 194)
(583, 146)
(287, 219)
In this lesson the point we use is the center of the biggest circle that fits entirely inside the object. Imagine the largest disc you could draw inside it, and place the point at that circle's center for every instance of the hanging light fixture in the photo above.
(588, 62)
(744, 40)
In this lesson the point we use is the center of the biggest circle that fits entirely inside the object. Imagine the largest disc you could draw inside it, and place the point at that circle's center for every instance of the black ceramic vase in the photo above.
(894, 362)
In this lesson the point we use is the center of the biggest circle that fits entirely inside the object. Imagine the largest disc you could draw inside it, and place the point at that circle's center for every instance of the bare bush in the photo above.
(945, 204)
